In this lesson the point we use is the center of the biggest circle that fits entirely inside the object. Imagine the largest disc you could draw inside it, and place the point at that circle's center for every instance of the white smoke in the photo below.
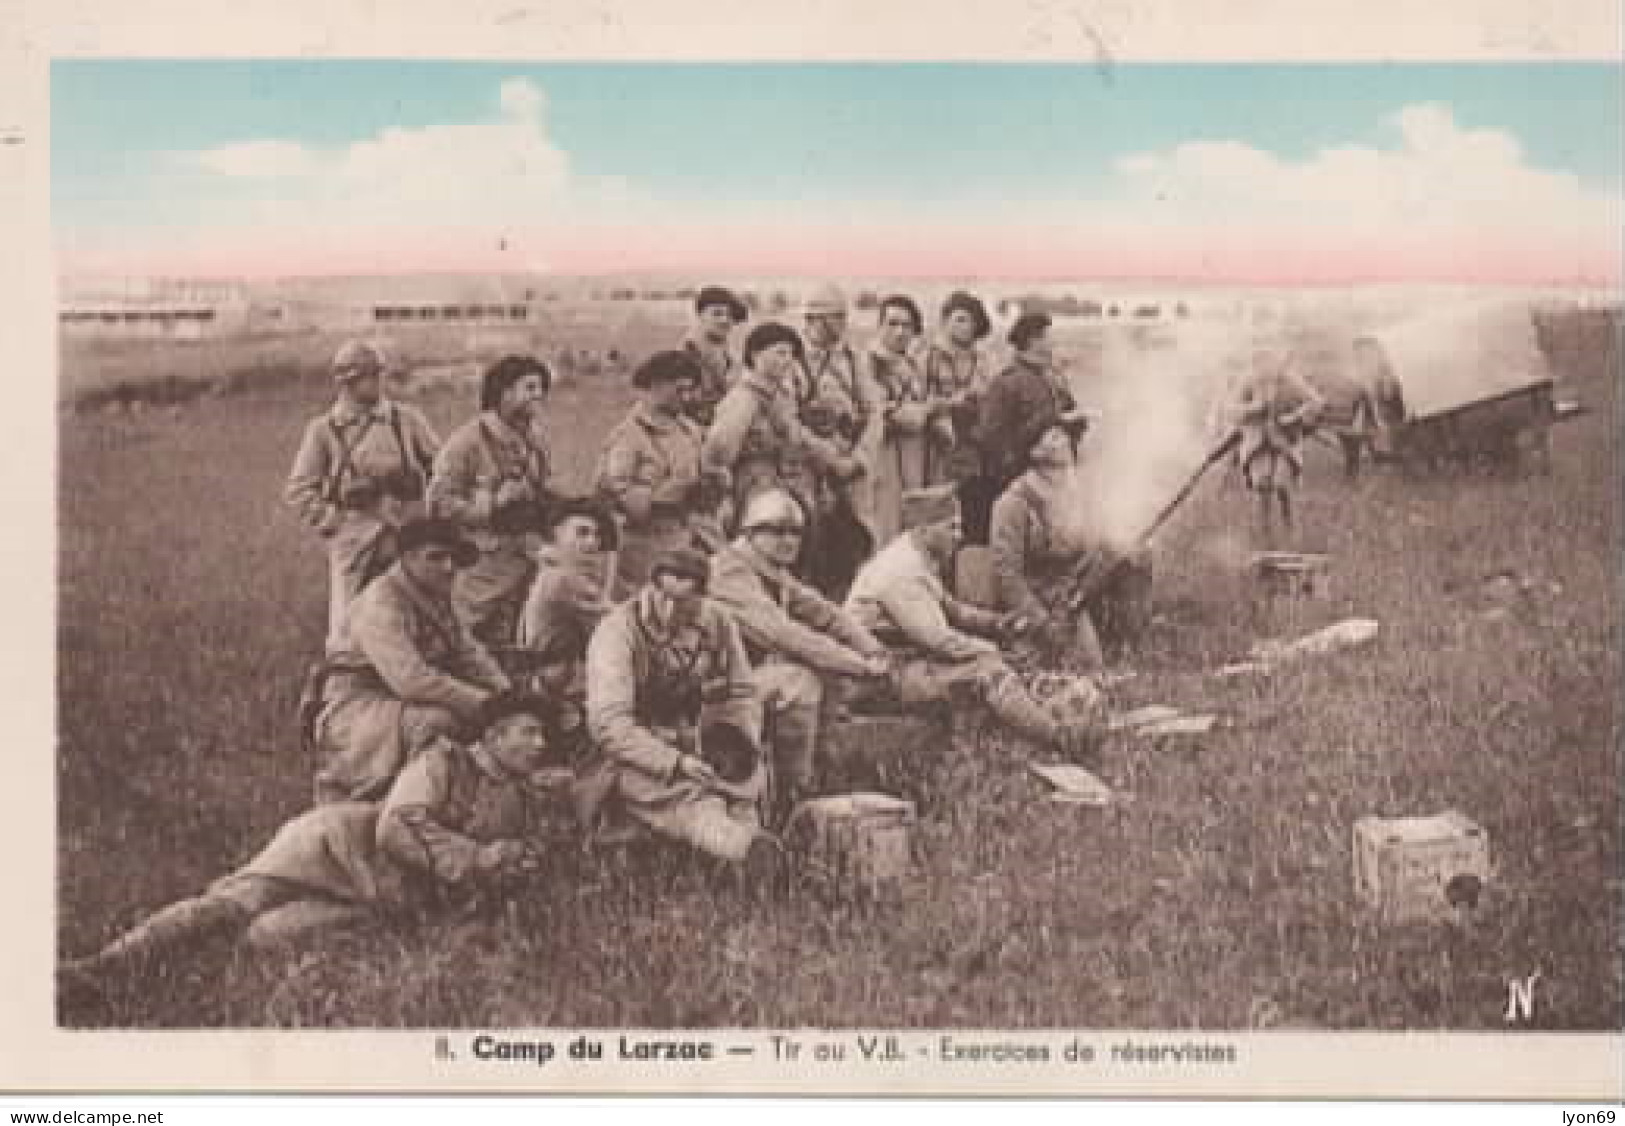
(1159, 406)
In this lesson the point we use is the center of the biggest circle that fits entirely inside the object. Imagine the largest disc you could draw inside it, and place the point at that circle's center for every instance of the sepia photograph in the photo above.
(920, 546)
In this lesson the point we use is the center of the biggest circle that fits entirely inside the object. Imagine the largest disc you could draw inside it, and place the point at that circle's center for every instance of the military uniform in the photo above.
(413, 673)
(719, 371)
(945, 649)
(356, 862)
(359, 474)
(648, 458)
(795, 639)
(760, 442)
(958, 377)
(477, 458)
(903, 463)
(1019, 401)
(1037, 571)
(1274, 411)
(647, 688)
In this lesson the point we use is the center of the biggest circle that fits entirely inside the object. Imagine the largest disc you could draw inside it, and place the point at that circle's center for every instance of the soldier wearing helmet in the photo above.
(798, 641)
(845, 405)
(359, 474)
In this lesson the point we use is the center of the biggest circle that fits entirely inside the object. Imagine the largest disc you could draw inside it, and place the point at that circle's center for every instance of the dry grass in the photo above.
(1219, 897)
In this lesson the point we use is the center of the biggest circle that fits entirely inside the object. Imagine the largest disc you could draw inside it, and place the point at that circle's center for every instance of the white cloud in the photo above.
(1436, 177)
(259, 160)
(505, 170)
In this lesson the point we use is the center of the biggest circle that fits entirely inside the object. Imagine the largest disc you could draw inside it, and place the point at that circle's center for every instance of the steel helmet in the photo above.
(825, 300)
(356, 356)
(770, 507)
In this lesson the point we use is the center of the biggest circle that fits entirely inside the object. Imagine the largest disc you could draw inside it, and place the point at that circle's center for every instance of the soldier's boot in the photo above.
(175, 929)
(1078, 735)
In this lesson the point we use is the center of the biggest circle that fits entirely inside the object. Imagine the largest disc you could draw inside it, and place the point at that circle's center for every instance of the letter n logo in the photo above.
(1521, 999)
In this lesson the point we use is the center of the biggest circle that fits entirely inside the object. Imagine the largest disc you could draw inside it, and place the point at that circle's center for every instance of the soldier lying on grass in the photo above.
(946, 648)
(459, 825)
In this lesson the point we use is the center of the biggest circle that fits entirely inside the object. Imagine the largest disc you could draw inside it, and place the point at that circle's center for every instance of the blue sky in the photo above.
(848, 131)
(816, 136)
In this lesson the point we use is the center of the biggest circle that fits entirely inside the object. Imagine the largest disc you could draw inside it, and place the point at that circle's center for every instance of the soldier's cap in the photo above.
(356, 357)
(722, 295)
(505, 705)
(666, 367)
(443, 533)
(560, 509)
(827, 299)
(682, 563)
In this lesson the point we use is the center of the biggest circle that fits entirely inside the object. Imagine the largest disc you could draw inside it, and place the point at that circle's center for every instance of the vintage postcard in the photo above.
(1061, 548)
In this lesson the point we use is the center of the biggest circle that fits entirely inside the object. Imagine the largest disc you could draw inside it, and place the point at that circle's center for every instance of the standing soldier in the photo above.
(650, 466)
(957, 371)
(1023, 399)
(659, 667)
(904, 453)
(757, 439)
(1274, 408)
(716, 312)
(360, 472)
(490, 479)
(845, 406)
(411, 674)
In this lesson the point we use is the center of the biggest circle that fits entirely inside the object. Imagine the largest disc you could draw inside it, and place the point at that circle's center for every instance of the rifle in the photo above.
(1091, 583)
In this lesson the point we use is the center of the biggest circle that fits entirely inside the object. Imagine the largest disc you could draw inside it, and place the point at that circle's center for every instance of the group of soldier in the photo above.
(775, 536)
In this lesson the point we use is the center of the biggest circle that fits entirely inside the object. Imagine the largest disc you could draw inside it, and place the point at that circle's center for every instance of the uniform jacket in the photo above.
(449, 802)
(1029, 558)
(416, 646)
(645, 683)
(959, 377)
(1273, 412)
(899, 596)
(845, 388)
(645, 452)
(565, 604)
(758, 438)
(719, 371)
(419, 844)
(384, 444)
(779, 616)
(476, 459)
(1018, 401)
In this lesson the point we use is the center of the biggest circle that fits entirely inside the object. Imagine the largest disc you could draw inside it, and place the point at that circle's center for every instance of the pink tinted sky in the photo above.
(1243, 255)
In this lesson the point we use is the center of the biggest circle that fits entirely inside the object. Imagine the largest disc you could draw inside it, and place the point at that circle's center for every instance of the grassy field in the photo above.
(1219, 896)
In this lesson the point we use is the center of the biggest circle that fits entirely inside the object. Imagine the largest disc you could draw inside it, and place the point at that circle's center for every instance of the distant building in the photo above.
(158, 308)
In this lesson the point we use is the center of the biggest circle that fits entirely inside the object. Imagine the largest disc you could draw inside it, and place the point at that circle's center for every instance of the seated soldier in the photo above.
(797, 640)
(945, 647)
(657, 666)
(1075, 594)
(456, 828)
(412, 674)
(569, 595)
